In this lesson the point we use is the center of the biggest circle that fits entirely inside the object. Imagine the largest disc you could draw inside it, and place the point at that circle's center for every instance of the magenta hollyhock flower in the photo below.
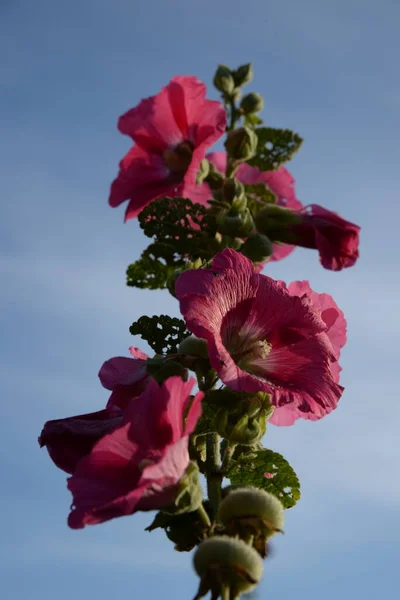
(335, 323)
(260, 337)
(172, 132)
(336, 239)
(68, 440)
(139, 464)
(280, 182)
(126, 377)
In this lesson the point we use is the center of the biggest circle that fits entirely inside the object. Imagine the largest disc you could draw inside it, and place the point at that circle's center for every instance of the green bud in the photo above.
(231, 189)
(252, 103)
(239, 205)
(189, 495)
(223, 80)
(194, 346)
(243, 75)
(257, 247)
(168, 368)
(245, 421)
(255, 508)
(203, 171)
(273, 218)
(215, 179)
(241, 143)
(235, 225)
(221, 560)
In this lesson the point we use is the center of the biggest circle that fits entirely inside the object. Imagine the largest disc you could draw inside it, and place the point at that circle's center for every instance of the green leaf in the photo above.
(252, 120)
(162, 333)
(154, 268)
(250, 469)
(258, 194)
(275, 147)
(179, 223)
(185, 530)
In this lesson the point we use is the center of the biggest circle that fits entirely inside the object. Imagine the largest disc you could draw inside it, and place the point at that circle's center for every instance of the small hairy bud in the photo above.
(232, 189)
(223, 80)
(243, 505)
(221, 560)
(193, 346)
(257, 247)
(252, 103)
(241, 143)
(243, 75)
(235, 224)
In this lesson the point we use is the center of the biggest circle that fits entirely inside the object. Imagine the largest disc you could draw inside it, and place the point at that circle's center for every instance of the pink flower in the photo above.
(337, 240)
(69, 440)
(280, 182)
(172, 132)
(126, 377)
(260, 337)
(139, 464)
(335, 323)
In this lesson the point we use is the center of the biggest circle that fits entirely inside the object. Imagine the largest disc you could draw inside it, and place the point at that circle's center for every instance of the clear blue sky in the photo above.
(67, 71)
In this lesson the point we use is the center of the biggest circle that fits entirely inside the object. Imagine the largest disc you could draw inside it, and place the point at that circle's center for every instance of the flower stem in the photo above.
(225, 592)
(213, 471)
(204, 516)
(229, 450)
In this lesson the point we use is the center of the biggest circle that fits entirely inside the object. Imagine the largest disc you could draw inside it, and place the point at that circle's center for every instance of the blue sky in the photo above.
(68, 70)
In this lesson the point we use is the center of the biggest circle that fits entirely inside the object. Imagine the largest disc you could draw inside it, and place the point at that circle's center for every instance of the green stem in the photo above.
(227, 457)
(204, 516)
(233, 114)
(213, 471)
(225, 592)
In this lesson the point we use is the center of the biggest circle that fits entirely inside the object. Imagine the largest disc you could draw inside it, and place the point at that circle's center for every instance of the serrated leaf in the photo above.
(275, 147)
(251, 469)
(154, 268)
(252, 120)
(258, 194)
(162, 333)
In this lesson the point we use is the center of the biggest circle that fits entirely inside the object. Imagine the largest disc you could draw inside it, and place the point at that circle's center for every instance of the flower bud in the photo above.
(223, 80)
(221, 560)
(203, 171)
(250, 511)
(231, 189)
(243, 75)
(194, 346)
(168, 368)
(241, 143)
(215, 179)
(235, 225)
(273, 218)
(257, 247)
(252, 103)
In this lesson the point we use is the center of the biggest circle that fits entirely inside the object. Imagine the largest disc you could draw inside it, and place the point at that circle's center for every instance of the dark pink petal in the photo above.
(336, 239)
(138, 465)
(68, 440)
(331, 314)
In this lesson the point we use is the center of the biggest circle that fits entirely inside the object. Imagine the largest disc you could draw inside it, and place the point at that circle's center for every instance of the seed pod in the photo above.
(221, 560)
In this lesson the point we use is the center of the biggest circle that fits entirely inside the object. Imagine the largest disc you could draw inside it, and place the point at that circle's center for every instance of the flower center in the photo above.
(245, 356)
(179, 159)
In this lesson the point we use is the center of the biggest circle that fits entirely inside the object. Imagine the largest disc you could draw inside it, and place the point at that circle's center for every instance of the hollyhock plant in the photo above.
(125, 377)
(139, 464)
(260, 337)
(172, 132)
(68, 440)
(280, 182)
